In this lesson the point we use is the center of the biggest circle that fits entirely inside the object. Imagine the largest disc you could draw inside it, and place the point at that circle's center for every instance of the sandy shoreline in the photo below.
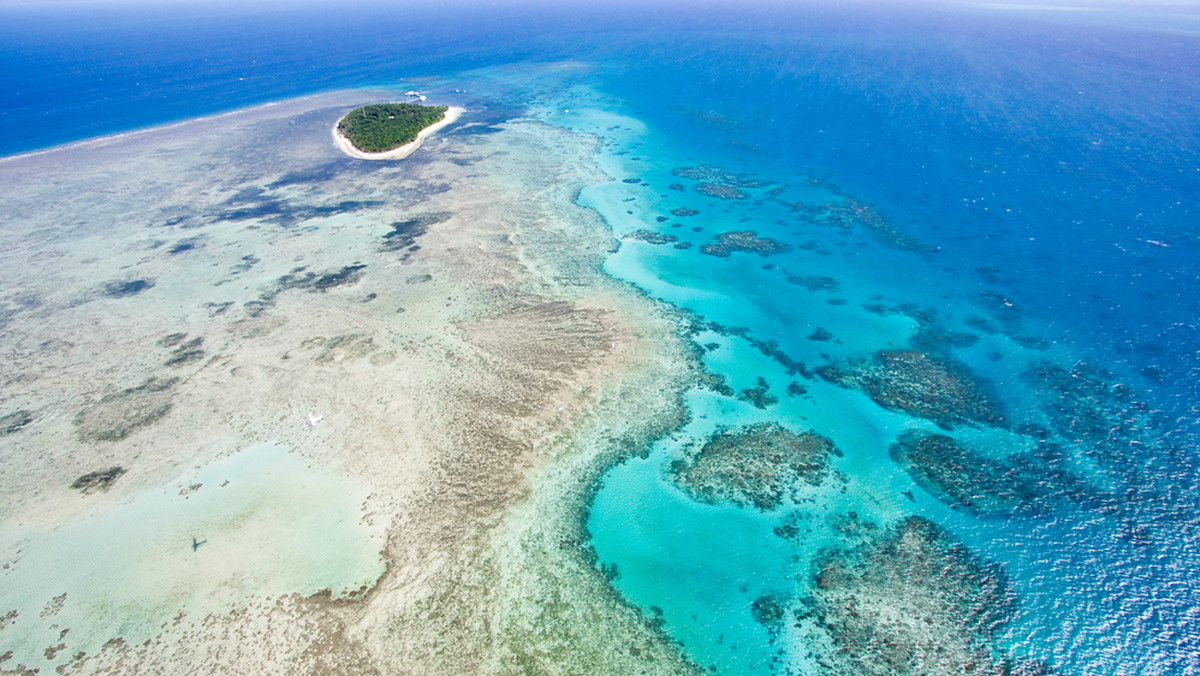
(452, 115)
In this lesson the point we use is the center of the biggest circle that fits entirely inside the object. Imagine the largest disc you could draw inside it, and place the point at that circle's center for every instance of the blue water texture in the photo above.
(1038, 173)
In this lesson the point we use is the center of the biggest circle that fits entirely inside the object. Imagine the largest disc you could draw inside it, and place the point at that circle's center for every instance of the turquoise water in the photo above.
(1009, 192)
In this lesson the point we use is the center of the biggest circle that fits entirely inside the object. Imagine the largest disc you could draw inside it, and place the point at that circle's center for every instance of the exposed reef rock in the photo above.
(963, 479)
(748, 241)
(913, 601)
(99, 480)
(117, 415)
(920, 384)
(758, 465)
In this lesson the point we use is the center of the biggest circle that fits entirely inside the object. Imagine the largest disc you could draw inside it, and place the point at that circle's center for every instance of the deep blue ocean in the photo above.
(1020, 185)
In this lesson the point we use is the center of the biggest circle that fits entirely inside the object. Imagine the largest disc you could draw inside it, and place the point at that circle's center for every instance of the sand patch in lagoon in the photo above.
(266, 521)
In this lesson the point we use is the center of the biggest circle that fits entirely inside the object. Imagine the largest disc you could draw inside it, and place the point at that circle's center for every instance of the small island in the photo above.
(386, 131)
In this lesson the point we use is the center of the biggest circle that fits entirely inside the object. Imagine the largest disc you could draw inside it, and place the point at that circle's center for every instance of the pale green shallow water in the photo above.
(271, 524)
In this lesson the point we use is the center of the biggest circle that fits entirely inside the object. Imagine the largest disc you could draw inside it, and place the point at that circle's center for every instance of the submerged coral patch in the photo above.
(963, 479)
(759, 395)
(724, 192)
(920, 384)
(405, 233)
(651, 237)
(716, 176)
(815, 282)
(747, 241)
(99, 480)
(185, 352)
(14, 422)
(759, 465)
(912, 601)
(313, 281)
(117, 415)
(121, 289)
(852, 214)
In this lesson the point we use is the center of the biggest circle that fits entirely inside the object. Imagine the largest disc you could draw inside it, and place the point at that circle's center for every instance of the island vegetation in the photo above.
(385, 126)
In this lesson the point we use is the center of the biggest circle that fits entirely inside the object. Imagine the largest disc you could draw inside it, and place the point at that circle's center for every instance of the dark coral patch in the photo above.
(852, 214)
(757, 465)
(651, 237)
(14, 422)
(920, 384)
(117, 415)
(121, 289)
(815, 282)
(405, 233)
(963, 479)
(99, 480)
(747, 241)
(313, 281)
(720, 191)
(759, 396)
(912, 601)
(717, 176)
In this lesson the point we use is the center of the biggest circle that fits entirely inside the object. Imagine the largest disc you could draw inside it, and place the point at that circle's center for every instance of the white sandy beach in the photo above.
(451, 116)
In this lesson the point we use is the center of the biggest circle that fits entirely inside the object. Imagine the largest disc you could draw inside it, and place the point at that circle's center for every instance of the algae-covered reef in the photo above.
(755, 465)
(386, 126)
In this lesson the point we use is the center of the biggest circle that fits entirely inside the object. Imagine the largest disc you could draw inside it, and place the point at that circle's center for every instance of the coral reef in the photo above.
(815, 282)
(759, 465)
(651, 237)
(120, 289)
(963, 479)
(99, 480)
(717, 176)
(748, 241)
(405, 233)
(852, 214)
(920, 384)
(912, 601)
(724, 192)
(117, 415)
(13, 422)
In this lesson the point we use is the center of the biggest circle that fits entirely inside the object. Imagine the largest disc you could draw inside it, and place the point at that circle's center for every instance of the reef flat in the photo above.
(232, 358)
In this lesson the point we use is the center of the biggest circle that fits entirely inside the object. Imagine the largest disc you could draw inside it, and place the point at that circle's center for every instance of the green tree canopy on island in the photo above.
(385, 126)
